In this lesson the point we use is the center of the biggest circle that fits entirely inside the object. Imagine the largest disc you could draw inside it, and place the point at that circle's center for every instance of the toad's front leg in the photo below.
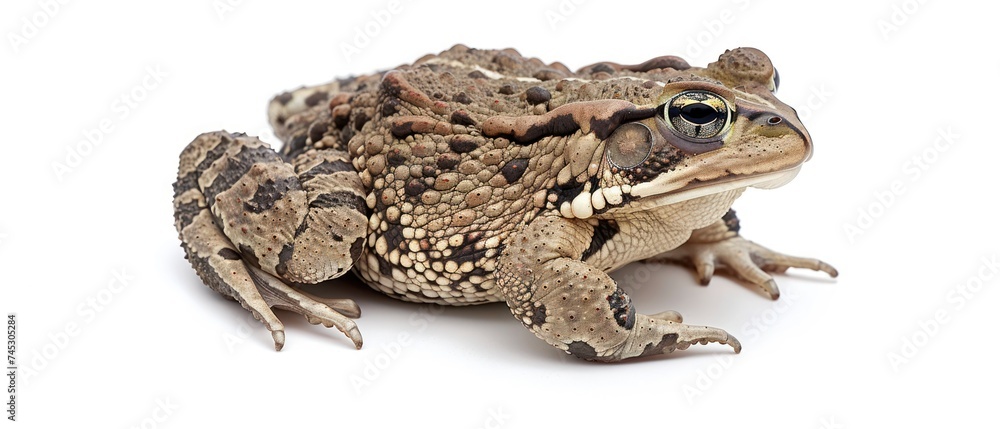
(577, 307)
(720, 245)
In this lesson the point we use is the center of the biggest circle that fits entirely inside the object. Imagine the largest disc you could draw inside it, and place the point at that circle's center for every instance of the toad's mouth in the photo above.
(649, 197)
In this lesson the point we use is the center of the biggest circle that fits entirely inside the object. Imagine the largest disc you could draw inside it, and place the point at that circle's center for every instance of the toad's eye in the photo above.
(699, 115)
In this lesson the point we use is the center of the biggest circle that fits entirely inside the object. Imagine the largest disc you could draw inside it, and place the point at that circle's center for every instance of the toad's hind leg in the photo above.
(293, 114)
(321, 116)
(577, 307)
(251, 224)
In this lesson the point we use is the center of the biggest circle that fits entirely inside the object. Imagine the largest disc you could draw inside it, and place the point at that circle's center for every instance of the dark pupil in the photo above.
(699, 113)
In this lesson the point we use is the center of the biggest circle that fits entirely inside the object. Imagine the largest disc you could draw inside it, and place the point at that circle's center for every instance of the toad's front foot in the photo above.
(720, 246)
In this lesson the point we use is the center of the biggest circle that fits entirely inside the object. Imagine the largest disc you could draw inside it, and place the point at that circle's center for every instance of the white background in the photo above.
(877, 83)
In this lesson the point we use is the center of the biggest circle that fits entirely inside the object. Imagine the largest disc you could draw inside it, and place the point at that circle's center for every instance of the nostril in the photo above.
(774, 120)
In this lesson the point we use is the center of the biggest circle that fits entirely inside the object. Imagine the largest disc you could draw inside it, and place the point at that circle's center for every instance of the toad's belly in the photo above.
(437, 282)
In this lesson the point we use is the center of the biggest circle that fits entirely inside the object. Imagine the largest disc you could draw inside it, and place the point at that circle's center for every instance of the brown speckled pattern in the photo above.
(475, 176)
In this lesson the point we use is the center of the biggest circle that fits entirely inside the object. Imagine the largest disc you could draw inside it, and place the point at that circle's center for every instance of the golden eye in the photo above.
(629, 145)
(698, 114)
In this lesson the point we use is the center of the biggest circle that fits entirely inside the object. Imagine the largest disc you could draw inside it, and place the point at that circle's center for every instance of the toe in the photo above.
(279, 339)
(316, 311)
(706, 270)
(668, 315)
(745, 268)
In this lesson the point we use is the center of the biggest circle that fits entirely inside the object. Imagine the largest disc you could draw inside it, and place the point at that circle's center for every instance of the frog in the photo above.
(478, 176)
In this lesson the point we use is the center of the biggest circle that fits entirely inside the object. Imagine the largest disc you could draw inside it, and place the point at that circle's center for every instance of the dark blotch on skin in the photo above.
(469, 253)
(237, 166)
(461, 97)
(395, 157)
(326, 167)
(401, 129)
(563, 124)
(270, 192)
(249, 256)
(393, 236)
(537, 95)
(316, 98)
(190, 181)
(448, 161)
(604, 128)
(415, 187)
(603, 232)
(384, 267)
(360, 119)
(461, 117)
(507, 89)
(185, 213)
(340, 120)
(316, 131)
(463, 144)
(283, 257)
(302, 226)
(356, 248)
(582, 350)
(389, 107)
(476, 74)
(284, 98)
(295, 146)
(538, 318)
(340, 199)
(621, 305)
(229, 254)
(602, 67)
(732, 222)
(514, 169)
(667, 341)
